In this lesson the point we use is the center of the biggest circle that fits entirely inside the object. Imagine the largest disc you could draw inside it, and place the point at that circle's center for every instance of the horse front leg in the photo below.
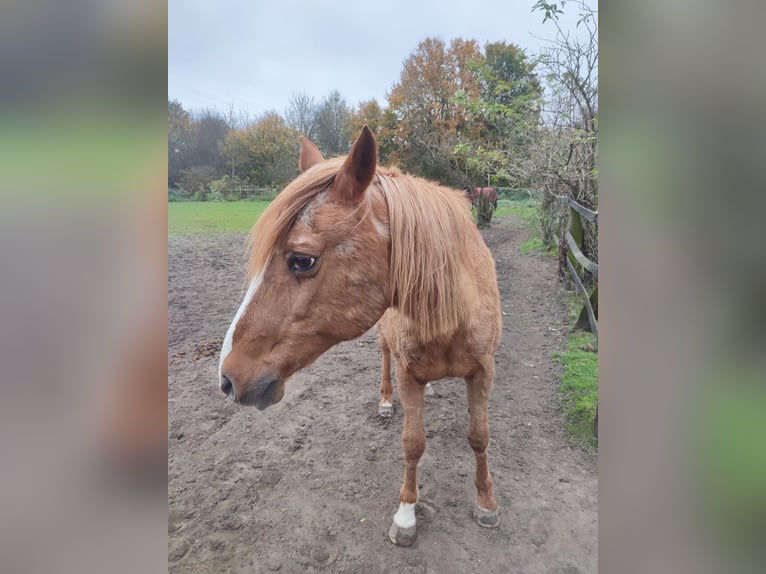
(411, 392)
(478, 387)
(386, 403)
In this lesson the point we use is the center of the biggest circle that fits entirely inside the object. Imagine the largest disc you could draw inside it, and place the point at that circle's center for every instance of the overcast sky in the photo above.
(255, 53)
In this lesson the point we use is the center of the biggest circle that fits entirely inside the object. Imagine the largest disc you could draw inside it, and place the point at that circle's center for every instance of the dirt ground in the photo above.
(311, 484)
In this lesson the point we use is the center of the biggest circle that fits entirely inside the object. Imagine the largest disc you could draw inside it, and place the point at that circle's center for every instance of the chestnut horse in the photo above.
(348, 245)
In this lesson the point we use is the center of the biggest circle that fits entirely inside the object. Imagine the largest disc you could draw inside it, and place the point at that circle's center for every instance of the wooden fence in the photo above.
(575, 258)
(245, 192)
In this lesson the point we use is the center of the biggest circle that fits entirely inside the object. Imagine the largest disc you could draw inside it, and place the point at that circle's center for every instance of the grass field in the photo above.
(201, 217)
(204, 217)
(523, 208)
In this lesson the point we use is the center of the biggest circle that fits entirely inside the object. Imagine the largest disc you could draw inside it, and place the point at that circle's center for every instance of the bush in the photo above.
(514, 194)
(178, 195)
(199, 195)
(197, 179)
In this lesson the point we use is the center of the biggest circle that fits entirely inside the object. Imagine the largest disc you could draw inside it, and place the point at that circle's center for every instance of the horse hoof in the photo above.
(430, 390)
(386, 410)
(486, 518)
(402, 536)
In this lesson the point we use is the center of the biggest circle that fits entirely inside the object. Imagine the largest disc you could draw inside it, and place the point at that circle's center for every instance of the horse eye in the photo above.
(301, 263)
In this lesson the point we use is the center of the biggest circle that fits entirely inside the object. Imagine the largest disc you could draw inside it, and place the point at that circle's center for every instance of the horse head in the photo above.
(319, 274)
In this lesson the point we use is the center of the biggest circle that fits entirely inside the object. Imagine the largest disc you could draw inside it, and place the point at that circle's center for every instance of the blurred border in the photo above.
(83, 287)
(682, 441)
(83, 318)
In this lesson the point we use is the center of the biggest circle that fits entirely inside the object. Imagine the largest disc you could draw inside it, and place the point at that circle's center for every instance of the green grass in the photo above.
(523, 209)
(579, 386)
(573, 303)
(200, 218)
(535, 245)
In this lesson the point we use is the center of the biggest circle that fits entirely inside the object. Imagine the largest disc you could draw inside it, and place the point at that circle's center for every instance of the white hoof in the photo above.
(402, 536)
(386, 410)
(430, 390)
(402, 531)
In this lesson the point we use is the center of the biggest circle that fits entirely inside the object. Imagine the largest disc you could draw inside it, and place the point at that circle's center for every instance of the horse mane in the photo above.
(430, 228)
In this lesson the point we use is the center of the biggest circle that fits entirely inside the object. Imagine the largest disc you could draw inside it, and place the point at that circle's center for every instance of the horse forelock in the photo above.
(294, 201)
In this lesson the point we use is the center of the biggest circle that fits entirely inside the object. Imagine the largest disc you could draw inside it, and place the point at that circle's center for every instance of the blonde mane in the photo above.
(430, 228)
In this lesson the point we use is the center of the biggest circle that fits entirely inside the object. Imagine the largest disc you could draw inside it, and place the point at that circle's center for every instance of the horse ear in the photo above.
(310, 154)
(356, 174)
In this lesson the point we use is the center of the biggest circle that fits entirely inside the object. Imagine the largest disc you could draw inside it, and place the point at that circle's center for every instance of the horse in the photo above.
(349, 245)
(488, 194)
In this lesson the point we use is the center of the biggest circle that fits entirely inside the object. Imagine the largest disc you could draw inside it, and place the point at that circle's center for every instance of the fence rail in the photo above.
(588, 214)
(581, 259)
(577, 211)
(573, 253)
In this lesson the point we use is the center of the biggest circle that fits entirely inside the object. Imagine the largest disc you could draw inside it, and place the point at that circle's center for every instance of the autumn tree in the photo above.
(368, 113)
(429, 120)
(388, 127)
(266, 151)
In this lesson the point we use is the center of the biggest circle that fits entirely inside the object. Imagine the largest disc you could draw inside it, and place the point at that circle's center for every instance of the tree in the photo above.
(505, 117)
(266, 151)
(301, 114)
(181, 141)
(569, 147)
(369, 113)
(568, 150)
(430, 121)
(236, 118)
(212, 129)
(333, 131)
(196, 180)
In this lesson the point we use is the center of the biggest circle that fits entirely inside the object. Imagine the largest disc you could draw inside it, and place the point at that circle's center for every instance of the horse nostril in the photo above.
(227, 387)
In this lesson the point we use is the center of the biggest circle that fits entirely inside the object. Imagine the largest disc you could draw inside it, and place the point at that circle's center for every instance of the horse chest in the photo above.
(432, 363)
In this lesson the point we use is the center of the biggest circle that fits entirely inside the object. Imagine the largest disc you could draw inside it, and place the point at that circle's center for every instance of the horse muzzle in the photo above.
(259, 394)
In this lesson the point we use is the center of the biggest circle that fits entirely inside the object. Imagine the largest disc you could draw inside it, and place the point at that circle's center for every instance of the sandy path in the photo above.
(311, 484)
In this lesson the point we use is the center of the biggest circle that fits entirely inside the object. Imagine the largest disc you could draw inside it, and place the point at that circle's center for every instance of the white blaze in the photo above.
(227, 340)
(405, 516)
(380, 227)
